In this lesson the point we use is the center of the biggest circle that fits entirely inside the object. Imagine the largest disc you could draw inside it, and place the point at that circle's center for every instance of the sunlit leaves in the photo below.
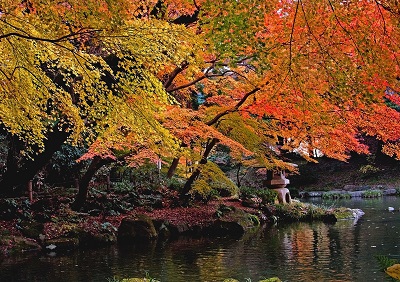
(394, 271)
(104, 72)
(85, 68)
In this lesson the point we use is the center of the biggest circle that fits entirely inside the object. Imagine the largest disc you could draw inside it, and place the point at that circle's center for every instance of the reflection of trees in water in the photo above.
(294, 252)
(319, 251)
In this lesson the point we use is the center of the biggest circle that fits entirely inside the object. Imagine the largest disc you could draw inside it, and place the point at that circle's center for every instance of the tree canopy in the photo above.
(161, 78)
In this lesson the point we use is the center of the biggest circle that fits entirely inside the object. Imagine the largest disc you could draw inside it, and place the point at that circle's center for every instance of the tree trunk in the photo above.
(238, 180)
(94, 166)
(18, 176)
(172, 168)
(188, 185)
(174, 164)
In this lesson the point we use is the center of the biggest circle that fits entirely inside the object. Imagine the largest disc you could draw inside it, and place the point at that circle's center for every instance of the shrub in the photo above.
(145, 176)
(122, 187)
(175, 183)
(369, 169)
(335, 195)
(372, 194)
(385, 262)
(267, 196)
(213, 183)
(298, 211)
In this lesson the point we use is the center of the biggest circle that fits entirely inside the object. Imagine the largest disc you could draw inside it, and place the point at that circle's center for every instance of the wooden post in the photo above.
(30, 192)
(159, 164)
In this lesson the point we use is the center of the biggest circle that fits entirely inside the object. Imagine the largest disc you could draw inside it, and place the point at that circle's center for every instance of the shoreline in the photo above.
(219, 218)
(354, 192)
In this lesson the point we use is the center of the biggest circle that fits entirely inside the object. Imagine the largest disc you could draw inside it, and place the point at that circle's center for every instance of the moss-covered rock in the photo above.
(91, 239)
(234, 223)
(139, 228)
(347, 213)
(298, 211)
(17, 244)
(32, 229)
(62, 244)
(213, 182)
(273, 279)
(138, 280)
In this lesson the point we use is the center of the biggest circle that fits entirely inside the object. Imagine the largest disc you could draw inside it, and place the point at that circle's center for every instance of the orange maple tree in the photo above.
(319, 67)
(316, 74)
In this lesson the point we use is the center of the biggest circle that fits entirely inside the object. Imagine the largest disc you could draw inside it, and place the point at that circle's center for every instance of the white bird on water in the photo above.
(390, 209)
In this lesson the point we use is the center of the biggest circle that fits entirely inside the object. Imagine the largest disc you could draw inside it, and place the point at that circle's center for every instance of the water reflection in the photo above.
(294, 252)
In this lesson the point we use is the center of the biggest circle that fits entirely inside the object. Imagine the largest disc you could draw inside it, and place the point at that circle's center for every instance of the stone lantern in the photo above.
(277, 181)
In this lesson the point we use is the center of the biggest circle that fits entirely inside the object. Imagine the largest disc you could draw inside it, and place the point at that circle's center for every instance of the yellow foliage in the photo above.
(213, 178)
(87, 69)
(394, 271)
(136, 280)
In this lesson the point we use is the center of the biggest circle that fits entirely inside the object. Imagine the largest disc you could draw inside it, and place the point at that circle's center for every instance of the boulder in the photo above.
(234, 223)
(179, 228)
(252, 202)
(390, 192)
(163, 228)
(139, 280)
(90, 239)
(32, 229)
(139, 228)
(61, 244)
(17, 244)
(343, 214)
(312, 194)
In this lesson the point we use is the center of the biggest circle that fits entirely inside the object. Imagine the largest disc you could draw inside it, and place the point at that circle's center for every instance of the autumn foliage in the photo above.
(138, 80)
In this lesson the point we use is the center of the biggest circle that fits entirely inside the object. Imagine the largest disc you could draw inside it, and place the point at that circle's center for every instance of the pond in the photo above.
(294, 252)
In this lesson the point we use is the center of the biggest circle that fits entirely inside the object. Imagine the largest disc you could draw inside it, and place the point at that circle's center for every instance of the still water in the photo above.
(294, 252)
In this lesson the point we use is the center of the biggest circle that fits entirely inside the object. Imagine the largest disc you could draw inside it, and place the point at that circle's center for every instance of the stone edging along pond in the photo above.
(71, 230)
(363, 192)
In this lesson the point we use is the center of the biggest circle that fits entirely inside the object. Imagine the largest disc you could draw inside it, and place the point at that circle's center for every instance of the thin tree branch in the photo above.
(345, 30)
(34, 38)
(174, 74)
(383, 18)
(291, 35)
(315, 38)
(387, 8)
(233, 109)
(197, 80)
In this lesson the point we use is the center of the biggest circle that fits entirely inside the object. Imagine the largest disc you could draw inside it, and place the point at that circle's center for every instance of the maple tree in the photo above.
(74, 72)
(121, 76)
(317, 74)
